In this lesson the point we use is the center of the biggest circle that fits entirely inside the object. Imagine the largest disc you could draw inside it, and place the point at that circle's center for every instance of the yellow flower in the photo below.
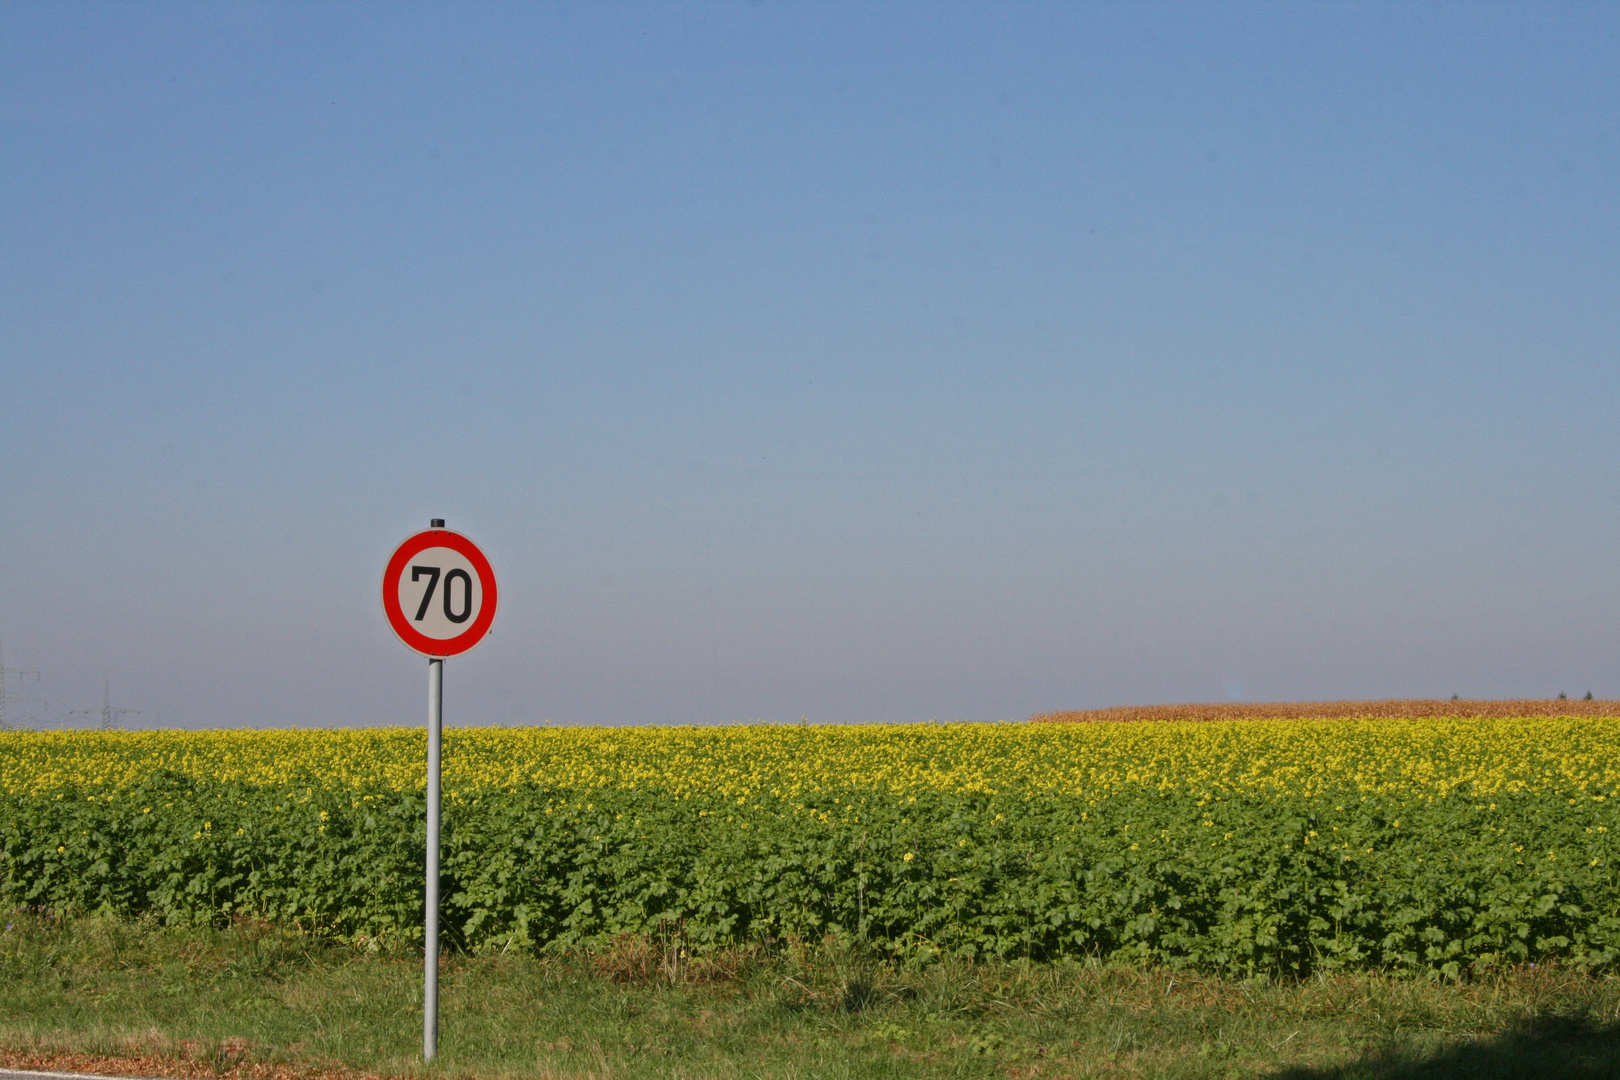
(804, 767)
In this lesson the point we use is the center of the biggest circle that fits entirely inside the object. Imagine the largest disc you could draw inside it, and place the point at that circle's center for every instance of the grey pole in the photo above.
(430, 971)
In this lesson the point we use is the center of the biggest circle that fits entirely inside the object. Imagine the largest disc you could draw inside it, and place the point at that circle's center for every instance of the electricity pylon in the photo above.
(109, 712)
(22, 677)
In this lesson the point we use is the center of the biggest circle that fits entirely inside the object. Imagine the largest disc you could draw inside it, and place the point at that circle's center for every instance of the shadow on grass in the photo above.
(1576, 1047)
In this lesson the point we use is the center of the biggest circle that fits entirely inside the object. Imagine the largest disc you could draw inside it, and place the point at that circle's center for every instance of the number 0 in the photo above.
(466, 595)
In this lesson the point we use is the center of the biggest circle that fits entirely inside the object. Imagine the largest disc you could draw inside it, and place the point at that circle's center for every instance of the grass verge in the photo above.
(261, 1002)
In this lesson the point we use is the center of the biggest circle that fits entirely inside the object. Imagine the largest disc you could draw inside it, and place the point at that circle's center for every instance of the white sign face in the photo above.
(440, 593)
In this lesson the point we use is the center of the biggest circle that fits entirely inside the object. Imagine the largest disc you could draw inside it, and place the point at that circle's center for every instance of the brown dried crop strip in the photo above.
(190, 1060)
(1392, 709)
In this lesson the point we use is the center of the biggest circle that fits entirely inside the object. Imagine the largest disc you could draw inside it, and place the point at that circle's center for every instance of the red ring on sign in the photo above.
(439, 647)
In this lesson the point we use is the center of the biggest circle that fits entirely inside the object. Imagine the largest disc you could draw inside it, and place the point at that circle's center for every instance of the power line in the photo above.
(109, 712)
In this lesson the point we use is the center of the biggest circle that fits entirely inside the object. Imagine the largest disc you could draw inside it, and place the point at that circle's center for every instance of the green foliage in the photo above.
(1240, 885)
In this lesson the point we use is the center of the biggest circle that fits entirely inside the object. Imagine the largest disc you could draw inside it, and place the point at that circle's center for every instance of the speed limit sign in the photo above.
(439, 593)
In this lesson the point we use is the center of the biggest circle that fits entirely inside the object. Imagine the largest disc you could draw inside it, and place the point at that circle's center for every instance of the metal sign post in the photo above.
(430, 926)
(439, 595)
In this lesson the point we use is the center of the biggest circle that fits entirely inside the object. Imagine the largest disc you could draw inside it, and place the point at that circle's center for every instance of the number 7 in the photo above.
(433, 581)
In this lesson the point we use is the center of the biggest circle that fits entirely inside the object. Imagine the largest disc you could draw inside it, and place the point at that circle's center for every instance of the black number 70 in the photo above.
(432, 574)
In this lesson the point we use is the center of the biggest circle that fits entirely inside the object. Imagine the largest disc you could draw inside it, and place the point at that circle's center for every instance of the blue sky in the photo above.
(850, 362)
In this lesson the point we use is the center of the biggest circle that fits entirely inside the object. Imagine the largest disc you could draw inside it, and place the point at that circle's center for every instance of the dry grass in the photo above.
(639, 960)
(1393, 709)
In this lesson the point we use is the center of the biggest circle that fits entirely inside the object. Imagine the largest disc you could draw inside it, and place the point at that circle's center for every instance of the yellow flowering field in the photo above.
(1438, 844)
(1427, 758)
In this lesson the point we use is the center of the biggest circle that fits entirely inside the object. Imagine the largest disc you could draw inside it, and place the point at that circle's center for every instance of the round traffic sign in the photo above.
(439, 593)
